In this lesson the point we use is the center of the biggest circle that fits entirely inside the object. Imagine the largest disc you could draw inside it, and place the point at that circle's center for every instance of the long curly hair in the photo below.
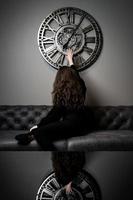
(68, 88)
(66, 165)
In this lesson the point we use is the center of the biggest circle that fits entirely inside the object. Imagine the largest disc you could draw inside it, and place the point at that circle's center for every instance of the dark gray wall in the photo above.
(21, 173)
(25, 78)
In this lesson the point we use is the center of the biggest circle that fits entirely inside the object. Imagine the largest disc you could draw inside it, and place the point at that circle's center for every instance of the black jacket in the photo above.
(58, 112)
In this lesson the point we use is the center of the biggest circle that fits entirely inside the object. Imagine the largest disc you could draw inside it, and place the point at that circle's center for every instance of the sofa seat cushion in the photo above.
(103, 140)
(9, 143)
(98, 140)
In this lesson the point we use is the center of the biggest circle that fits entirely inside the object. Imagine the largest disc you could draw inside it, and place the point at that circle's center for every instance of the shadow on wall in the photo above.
(91, 95)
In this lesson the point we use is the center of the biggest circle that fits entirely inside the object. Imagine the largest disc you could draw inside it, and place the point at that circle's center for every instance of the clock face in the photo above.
(84, 187)
(70, 28)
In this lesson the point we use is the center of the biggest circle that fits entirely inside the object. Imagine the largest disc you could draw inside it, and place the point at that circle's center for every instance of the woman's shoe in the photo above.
(24, 139)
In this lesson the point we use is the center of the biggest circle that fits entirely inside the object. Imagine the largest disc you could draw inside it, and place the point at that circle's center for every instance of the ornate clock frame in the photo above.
(84, 187)
(73, 28)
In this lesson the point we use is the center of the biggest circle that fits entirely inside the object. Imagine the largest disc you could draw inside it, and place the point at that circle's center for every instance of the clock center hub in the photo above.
(74, 41)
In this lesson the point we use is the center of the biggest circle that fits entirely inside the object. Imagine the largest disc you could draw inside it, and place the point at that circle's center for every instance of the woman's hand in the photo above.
(68, 188)
(69, 56)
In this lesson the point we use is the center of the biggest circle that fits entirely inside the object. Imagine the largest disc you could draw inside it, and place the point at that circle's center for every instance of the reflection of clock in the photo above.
(84, 187)
(70, 28)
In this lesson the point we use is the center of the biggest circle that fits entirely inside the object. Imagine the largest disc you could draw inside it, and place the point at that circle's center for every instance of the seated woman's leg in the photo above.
(66, 128)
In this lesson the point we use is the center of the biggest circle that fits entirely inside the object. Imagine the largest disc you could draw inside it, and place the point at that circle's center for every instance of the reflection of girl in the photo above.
(68, 117)
(66, 166)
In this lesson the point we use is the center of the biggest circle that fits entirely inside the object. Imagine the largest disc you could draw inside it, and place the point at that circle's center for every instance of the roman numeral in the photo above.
(49, 28)
(81, 19)
(90, 40)
(70, 16)
(86, 189)
(48, 193)
(88, 29)
(89, 195)
(60, 60)
(88, 49)
(48, 40)
(56, 184)
(79, 59)
(50, 51)
(58, 19)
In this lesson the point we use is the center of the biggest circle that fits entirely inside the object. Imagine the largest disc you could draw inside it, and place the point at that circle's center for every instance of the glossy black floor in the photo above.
(21, 173)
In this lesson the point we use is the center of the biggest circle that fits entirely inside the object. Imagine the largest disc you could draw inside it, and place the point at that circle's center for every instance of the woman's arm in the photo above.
(69, 56)
(53, 115)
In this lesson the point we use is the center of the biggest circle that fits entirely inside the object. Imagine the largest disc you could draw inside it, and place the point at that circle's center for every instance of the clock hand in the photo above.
(65, 45)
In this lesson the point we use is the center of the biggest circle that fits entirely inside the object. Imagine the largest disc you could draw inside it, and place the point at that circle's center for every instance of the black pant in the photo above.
(71, 125)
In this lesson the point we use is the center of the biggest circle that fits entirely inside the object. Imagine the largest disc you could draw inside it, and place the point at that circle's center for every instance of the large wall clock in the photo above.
(84, 187)
(70, 28)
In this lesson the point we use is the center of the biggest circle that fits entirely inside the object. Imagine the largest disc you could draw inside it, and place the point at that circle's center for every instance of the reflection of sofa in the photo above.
(113, 128)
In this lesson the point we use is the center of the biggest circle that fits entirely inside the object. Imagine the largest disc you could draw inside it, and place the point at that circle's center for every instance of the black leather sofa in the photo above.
(113, 128)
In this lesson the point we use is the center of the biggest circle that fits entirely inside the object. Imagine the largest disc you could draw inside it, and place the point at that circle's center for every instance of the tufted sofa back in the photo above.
(23, 117)
(113, 117)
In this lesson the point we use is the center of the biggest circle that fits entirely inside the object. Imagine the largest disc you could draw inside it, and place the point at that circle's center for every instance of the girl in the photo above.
(69, 116)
